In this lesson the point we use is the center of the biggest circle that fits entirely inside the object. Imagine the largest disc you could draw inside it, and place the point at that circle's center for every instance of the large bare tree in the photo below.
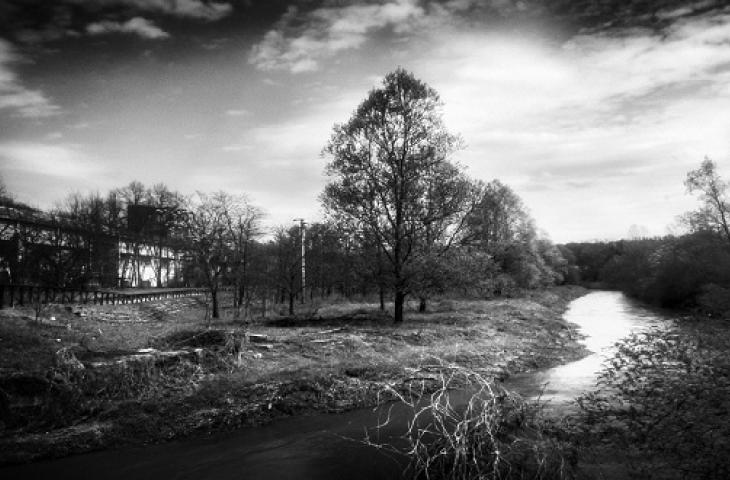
(391, 178)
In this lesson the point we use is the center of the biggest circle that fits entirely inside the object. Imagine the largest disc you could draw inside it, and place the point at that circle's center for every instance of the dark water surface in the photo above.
(328, 446)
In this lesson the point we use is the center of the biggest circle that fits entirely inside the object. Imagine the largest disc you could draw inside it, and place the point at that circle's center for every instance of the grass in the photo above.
(339, 356)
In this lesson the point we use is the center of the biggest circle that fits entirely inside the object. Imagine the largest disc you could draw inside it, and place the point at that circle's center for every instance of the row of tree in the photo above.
(402, 219)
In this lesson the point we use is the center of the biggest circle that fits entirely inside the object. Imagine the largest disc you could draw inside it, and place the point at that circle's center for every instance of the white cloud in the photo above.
(238, 112)
(54, 136)
(236, 148)
(300, 41)
(191, 8)
(55, 160)
(624, 117)
(137, 25)
(197, 9)
(16, 97)
(41, 173)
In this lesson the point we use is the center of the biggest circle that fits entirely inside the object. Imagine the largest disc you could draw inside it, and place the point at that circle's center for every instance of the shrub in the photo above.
(714, 300)
(492, 434)
(664, 399)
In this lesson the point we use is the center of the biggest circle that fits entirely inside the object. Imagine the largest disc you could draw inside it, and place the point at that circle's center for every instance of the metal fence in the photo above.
(12, 295)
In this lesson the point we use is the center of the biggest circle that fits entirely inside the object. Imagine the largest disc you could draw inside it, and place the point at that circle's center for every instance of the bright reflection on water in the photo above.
(604, 318)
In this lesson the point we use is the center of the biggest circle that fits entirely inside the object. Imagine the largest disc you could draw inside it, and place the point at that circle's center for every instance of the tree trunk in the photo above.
(291, 303)
(381, 292)
(422, 305)
(214, 297)
(158, 273)
(400, 298)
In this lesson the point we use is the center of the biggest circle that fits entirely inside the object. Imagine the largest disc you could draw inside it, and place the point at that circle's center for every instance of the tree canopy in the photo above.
(715, 211)
(391, 177)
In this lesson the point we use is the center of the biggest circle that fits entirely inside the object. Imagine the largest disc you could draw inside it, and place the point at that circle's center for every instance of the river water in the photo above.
(604, 317)
(328, 446)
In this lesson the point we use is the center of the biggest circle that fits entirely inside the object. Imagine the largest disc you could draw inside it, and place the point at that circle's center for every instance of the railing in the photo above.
(11, 295)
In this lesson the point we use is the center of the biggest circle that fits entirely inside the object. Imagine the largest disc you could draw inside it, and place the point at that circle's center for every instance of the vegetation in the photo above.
(87, 374)
(392, 182)
(714, 215)
(662, 402)
(403, 221)
(688, 271)
(492, 433)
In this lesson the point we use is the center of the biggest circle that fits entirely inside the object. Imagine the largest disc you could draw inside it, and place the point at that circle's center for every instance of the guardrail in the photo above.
(11, 295)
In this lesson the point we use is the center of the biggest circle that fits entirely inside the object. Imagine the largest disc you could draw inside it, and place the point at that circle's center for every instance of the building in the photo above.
(39, 248)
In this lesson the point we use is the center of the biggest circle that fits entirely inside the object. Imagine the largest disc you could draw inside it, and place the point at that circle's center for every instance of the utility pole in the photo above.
(302, 225)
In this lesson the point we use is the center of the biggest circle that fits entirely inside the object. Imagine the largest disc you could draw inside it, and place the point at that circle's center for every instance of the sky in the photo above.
(593, 111)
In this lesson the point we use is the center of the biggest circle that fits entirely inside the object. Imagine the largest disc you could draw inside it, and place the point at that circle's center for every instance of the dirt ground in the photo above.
(332, 357)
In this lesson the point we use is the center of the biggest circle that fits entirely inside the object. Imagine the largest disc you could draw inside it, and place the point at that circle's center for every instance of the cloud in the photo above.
(187, 8)
(627, 114)
(16, 97)
(300, 41)
(236, 148)
(499, 85)
(137, 25)
(196, 9)
(39, 21)
(240, 112)
(56, 160)
(42, 173)
(303, 38)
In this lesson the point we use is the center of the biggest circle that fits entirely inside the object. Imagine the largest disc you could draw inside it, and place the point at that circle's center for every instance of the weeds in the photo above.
(470, 428)
(663, 401)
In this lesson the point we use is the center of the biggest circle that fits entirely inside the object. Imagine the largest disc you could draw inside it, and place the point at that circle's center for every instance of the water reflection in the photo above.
(604, 318)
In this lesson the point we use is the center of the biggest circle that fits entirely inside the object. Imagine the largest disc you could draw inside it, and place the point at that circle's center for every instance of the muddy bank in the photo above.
(338, 359)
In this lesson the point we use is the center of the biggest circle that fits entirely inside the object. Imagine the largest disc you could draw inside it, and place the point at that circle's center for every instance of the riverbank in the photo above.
(92, 392)
(661, 409)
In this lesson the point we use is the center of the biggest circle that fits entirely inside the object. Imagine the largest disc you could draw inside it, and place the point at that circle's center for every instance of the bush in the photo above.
(714, 300)
(663, 399)
(493, 434)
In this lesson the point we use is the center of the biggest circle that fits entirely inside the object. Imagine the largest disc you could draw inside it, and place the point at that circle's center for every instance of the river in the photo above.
(327, 446)
(604, 317)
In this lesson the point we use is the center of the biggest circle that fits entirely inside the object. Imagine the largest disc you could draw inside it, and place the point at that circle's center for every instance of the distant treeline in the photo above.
(687, 271)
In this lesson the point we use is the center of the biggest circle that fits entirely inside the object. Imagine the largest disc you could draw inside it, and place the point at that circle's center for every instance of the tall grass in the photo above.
(471, 428)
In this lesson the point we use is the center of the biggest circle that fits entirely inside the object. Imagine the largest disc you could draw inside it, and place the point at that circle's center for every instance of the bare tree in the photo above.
(715, 211)
(222, 228)
(287, 257)
(206, 228)
(4, 192)
(243, 225)
(391, 178)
